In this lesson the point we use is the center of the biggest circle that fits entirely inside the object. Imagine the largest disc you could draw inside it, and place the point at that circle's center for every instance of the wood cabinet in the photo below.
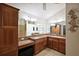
(37, 46)
(40, 44)
(57, 44)
(62, 45)
(9, 15)
(53, 43)
(8, 30)
(49, 43)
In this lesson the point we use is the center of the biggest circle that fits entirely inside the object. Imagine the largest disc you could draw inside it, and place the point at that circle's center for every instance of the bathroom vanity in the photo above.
(26, 48)
(49, 41)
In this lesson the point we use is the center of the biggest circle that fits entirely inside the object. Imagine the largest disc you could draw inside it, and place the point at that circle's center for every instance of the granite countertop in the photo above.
(30, 41)
(42, 36)
(62, 37)
(25, 43)
(37, 37)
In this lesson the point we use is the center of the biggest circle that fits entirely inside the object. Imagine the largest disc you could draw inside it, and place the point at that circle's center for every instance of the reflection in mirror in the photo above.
(58, 29)
(21, 28)
(33, 28)
(36, 28)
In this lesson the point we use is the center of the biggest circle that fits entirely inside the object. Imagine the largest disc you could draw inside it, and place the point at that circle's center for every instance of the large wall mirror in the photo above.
(21, 28)
(55, 29)
(58, 29)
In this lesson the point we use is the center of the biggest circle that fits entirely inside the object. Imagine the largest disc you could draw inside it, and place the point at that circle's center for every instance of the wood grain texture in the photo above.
(8, 30)
(40, 44)
(57, 44)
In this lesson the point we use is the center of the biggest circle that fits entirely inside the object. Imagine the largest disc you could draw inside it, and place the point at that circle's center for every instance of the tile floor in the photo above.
(49, 52)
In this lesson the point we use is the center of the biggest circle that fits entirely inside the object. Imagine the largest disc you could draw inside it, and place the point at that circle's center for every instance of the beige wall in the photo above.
(72, 39)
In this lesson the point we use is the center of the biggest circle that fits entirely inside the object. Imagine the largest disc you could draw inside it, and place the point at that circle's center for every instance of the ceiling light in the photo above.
(26, 17)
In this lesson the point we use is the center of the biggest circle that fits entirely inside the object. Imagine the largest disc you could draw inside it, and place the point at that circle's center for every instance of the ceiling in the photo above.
(36, 9)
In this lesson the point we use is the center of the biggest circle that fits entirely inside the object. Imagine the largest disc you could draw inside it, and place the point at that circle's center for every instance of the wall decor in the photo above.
(74, 20)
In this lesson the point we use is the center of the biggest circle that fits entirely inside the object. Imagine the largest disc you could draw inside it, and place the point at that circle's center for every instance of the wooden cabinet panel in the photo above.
(9, 16)
(10, 37)
(45, 42)
(50, 43)
(37, 46)
(8, 30)
(40, 44)
(9, 42)
(55, 44)
(62, 46)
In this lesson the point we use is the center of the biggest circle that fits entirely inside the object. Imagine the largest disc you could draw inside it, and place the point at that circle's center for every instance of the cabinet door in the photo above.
(45, 42)
(8, 30)
(9, 41)
(55, 44)
(9, 16)
(50, 43)
(37, 46)
(40, 44)
(62, 46)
